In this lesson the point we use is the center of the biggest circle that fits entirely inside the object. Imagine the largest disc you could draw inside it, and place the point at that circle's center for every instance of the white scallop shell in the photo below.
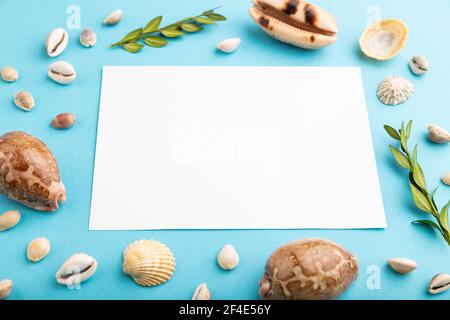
(395, 90)
(148, 262)
(384, 39)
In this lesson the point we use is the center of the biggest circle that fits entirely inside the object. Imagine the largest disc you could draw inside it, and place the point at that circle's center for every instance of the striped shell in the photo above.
(295, 22)
(148, 262)
(395, 90)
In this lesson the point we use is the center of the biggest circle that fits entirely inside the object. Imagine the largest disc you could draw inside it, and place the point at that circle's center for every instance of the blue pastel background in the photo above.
(24, 26)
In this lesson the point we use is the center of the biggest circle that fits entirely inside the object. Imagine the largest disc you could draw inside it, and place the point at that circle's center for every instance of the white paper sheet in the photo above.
(234, 148)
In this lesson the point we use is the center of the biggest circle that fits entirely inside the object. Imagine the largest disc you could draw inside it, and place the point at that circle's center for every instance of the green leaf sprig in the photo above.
(155, 36)
(423, 199)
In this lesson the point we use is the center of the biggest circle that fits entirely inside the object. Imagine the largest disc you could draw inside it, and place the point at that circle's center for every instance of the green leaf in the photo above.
(153, 25)
(133, 35)
(433, 195)
(408, 129)
(420, 199)
(403, 139)
(428, 223)
(414, 156)
(418, 176)
(191, 27)
(443, 217)
(156, 42)
(171, 33)
(217, 17)
(204, 20)
(392, 132)
(401, 159)
(132, 47)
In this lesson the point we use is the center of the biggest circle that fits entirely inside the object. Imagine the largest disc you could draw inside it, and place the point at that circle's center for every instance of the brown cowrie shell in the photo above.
(437, 134)
(56, 42)
(63, 121)
(295, 22)
(113, 18)
(201, 293)
(88, 38)
(402, 265)
(446, 179)
(24, 100)
(5, 288)
(9, 219)
(62, 72)
(439, 283)
(38, 249)
(9, 74)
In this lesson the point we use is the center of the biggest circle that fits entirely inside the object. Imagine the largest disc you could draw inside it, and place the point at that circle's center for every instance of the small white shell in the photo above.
(419, 65)
(114, 18)
(24, 100)
(402, 265)
(5, 288)
(9, 74)
(78, 268)
(148, 262)
(56, 42)
(437, 134)
(62, 72)
(439, 283)
(395, 90)
(446, 179)
(38, 249)
(88, 38)
(9, 219)
(228, 258)
(201, 293)
(229, 45)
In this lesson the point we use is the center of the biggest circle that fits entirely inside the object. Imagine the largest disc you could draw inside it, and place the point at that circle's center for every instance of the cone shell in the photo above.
(148, 262)
(384, 39)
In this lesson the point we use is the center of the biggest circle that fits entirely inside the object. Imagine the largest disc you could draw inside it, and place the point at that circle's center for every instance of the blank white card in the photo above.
(234, 148)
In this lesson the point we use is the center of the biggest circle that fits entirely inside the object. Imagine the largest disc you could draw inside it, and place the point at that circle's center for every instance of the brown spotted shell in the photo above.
(29, 173)
(295, 22)
(310, 269)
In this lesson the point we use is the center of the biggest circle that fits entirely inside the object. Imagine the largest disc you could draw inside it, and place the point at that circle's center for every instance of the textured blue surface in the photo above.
(24, 26)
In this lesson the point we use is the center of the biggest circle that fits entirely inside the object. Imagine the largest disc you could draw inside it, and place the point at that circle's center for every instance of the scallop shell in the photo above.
(295, 22)
(395, 90)
(384, 39)
(148, 262)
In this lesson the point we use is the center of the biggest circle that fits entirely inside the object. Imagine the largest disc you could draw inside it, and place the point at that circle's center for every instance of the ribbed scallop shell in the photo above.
(148, 262)
(395, 90)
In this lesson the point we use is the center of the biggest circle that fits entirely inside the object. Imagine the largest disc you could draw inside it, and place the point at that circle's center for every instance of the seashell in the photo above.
(5, 288)
(88, 38)
(24, 100)
(62, 72)
(395, 90)
(38, 249)
(419, 65)
(201, 293)
(29, 173)
(310, 269)
(437, 134)
(56, 42)
(228, 258)
(446, 179)
(77, 269)
(114, 18)
(63, 121)
(9, 74)
(9, 219)
(384, 39)
(295, 22)
(148, 262)
(229, 45)
(439, 283)
(402, 265)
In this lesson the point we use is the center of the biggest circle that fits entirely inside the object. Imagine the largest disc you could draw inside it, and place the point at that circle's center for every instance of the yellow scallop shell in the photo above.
(148, 262)
(384, 39)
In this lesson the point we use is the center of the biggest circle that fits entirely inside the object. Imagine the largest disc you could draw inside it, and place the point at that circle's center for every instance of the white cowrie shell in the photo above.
(437, 134)
(9, 219)
(62, 72)
(88, 38)
(229, 45)
(9, 74)
(402, 265)
(76, 269)
(228, 257)
(56, 42)
(24, 100)
(5, 288)
(419, 65)
(439, 283)
(114, 18)
(38, 249)
(201, 293)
